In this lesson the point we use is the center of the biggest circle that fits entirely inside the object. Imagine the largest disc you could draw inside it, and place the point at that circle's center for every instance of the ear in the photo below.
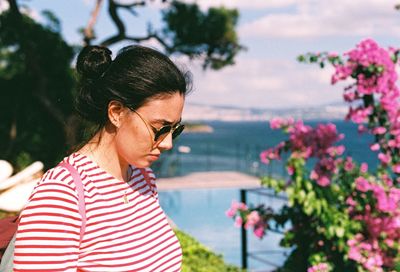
(116, 112)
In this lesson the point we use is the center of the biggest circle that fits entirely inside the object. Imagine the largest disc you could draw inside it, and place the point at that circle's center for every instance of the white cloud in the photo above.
(239, 4)
(88, 2)
(34, 14)
(243, 4)
(31, 12)
(265, 83)
(4, 5)
(326, 18)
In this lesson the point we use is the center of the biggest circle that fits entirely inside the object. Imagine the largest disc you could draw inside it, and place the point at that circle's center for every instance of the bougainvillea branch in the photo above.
(342, 217)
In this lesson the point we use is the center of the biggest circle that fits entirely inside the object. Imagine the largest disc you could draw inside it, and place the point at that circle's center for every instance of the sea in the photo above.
(236, 146)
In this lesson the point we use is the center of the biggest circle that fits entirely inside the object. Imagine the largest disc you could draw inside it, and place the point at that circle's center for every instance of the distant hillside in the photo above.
(199, 112)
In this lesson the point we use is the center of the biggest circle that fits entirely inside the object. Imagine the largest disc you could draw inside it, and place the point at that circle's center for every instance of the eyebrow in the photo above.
(165, 122)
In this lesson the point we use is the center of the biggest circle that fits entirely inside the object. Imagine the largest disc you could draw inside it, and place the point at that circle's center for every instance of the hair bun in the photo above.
(93, 61)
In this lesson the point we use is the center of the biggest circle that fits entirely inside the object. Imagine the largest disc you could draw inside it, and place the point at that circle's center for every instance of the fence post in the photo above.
(243, 233)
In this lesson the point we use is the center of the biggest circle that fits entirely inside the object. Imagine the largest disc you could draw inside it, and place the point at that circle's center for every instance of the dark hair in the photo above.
(136, 75)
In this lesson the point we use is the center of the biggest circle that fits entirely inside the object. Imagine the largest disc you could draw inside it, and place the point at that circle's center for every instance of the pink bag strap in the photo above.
(79, 189)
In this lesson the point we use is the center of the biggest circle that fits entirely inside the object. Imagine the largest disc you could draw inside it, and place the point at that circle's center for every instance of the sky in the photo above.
(275, 32)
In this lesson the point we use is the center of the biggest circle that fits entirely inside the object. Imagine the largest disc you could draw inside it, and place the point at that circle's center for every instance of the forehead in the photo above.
(167, 108)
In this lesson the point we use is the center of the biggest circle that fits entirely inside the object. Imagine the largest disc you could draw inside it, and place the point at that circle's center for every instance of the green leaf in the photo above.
(339, 232)
(301, 196)
(301, 58)
(210, 34)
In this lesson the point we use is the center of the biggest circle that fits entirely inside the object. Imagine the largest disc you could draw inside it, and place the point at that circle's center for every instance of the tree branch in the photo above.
(121, 34)
(168, 48)
(88, 32)
(117, 38)
(14, 8)
(112, 10)
(131, 6)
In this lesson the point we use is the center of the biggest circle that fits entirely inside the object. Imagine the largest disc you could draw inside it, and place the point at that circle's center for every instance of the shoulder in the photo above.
(59, 177)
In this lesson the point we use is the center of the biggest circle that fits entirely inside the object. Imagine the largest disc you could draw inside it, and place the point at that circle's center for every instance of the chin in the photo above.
(142, 164)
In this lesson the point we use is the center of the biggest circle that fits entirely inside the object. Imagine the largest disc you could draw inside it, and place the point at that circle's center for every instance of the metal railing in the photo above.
(245, 253)
(204, 157)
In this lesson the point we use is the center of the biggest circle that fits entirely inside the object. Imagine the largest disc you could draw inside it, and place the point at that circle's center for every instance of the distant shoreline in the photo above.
(198, 128)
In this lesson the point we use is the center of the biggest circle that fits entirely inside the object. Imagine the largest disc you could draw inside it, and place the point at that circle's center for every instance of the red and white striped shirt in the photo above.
(126, 229)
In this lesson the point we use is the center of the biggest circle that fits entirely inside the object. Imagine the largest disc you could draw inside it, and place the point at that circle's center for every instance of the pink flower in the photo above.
(341, 73)
(364, 168)
(323, 181)
(336, 150)
(350, 201)
(290, 170)
(230, 213)
(332, 55)
(362, 129)
(313, 175)
(394, 194)
(321, 267)
(276, 123)
(238, 221)
(235, 206)
(264, 157)
(389, 242)
(379, 130)
(349, 96)
(359, 115)
(396, 168)
(252, 219)
(384, 202)
(387, 180)
(354, 254)
(272, 153)
(259, 231)
(375, 147)
(362, 184)
(348, 164)
(384, 158)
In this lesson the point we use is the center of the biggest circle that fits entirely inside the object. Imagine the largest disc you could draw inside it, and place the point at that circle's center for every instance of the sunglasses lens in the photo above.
(161, 134)
(178, 131)
(164, 131)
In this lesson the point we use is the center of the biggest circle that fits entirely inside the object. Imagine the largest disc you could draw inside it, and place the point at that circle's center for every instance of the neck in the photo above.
(102, 151)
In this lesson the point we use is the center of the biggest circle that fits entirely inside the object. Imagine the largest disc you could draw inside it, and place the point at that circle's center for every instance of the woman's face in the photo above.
(134, 138)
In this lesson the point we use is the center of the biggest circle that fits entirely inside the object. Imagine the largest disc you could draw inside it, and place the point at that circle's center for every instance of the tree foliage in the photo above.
(198, 258)
(35, 83)
(195, 33)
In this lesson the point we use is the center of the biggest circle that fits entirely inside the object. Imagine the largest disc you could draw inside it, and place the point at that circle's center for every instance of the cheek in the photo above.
(132, 145)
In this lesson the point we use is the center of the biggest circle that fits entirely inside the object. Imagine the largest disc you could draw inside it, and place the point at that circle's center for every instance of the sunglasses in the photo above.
(161, 133)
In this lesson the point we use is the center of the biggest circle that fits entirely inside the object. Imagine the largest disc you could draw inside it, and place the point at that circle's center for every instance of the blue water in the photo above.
(237, 145)
(201, 214)
(233, 146)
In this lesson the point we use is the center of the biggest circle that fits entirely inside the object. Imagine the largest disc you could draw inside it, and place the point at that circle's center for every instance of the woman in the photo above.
(135, 102)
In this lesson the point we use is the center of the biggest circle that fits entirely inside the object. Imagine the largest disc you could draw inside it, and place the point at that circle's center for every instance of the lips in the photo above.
(154, 156)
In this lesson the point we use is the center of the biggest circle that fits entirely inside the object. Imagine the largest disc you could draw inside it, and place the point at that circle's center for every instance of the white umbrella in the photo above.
(14, 199)
(6, 170)
(22, 176)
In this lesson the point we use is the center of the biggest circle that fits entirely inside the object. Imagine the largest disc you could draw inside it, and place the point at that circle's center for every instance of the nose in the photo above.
(166, 143)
